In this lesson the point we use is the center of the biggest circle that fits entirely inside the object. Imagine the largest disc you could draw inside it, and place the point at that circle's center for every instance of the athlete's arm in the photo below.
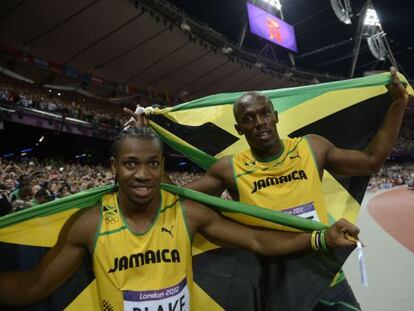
(225, 232)
(62, 260)
(218, 178)
(368, 161)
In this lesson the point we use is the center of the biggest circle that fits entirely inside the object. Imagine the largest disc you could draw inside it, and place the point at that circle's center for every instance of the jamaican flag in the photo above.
(346, 112)
(26, 236)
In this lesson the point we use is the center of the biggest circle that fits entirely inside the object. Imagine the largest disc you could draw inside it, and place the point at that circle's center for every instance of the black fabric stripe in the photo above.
(207, 137)
(22, 257)
(351, 128)
(241, 280)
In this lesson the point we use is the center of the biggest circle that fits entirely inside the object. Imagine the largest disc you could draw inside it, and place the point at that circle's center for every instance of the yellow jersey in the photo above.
(288, 182)
(146, 271)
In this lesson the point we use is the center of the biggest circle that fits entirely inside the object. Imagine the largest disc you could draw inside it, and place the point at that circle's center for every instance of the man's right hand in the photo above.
(137, 119)
(338, 234)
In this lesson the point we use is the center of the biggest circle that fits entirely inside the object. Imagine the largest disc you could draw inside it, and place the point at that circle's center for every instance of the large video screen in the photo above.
(271, 28)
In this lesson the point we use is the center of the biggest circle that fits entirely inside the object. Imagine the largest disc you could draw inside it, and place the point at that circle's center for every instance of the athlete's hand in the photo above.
(137, 119)
(341, 234)
(396, 88)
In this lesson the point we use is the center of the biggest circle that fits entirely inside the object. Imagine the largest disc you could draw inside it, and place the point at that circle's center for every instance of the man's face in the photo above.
(257, 121)
(139, 167)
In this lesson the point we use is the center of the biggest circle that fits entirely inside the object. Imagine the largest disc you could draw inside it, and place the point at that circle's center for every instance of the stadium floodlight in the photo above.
(227, 50)
(259, 64)
(274, 3)
(185, 26)
(342, 10)
(371, 18)
(377, 46)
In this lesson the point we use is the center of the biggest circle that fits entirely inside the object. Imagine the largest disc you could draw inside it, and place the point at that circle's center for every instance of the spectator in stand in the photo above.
(48, 180)
(391, 175)
(24, 200)
(41, 196)
(5, 206)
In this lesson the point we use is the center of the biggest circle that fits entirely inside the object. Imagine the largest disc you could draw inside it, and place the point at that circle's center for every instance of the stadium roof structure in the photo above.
(173, 50)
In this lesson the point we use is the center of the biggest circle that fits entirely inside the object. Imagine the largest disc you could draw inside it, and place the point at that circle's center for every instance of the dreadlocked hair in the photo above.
(144, 132)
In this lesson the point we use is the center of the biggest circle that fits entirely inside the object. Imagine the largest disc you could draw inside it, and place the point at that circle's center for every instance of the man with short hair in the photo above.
(285, 174)
(139, 238)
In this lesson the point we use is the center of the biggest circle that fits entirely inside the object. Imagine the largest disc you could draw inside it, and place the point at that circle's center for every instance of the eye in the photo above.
(130, 164)
(154, 163)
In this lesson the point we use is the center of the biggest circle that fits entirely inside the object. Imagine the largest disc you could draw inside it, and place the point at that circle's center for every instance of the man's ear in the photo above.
(276, 117)
(237, 127)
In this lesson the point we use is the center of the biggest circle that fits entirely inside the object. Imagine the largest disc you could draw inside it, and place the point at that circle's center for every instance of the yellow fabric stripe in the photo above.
(169, 135)
(87, 300)
(201, 301)
(39, 231)
(201, 244)
(322, 106)
(338, 201)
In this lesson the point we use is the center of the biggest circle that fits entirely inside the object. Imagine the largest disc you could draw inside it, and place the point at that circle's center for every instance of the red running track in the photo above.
(394, 212)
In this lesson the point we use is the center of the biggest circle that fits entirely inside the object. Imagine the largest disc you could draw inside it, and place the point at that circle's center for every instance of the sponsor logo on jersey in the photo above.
(169, 231)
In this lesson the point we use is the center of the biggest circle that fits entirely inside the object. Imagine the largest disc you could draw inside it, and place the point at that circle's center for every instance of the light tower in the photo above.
(369, 28)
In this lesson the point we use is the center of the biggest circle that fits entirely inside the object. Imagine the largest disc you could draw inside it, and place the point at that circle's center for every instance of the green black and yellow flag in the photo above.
(348, 113)
(27, 235)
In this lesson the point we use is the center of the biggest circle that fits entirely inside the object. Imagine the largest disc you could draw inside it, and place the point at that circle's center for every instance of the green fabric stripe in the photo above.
(90, 197)
(238, 207)
(291, 96)
(78, 200)
(341, 278)
(342, 303)
(331, 220)
(199, 157)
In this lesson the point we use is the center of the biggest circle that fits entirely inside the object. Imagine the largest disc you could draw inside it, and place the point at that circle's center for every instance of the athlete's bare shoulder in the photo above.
(81, 227)
(222, 168)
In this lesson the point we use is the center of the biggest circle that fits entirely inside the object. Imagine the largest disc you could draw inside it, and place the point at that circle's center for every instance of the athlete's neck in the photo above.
(273, 152)
(139, 216)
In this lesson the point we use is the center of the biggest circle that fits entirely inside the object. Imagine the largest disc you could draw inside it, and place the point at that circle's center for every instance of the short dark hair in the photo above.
(248, 98)
(42, 192)
(143, 132)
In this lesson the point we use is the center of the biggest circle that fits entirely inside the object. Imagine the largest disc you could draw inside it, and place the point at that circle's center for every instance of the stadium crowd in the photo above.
(392, 175)
(26, 183)
(29, 182)
(21, 94)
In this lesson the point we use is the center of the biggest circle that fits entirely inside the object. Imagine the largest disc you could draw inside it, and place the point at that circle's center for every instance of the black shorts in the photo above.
(338, 298)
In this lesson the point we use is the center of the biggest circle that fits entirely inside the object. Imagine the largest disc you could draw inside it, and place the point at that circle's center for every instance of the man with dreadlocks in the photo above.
(139, 238)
